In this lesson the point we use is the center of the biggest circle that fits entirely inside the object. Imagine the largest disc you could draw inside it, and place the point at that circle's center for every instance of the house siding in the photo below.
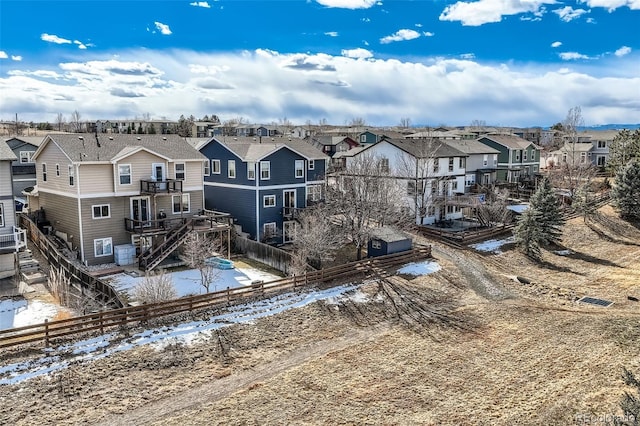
(52, 155)
(318, 172)
(239, 203)
(103, 228)
(24, 174)
(215, 151)
(283, 168)
(95, 178)
(62, 212)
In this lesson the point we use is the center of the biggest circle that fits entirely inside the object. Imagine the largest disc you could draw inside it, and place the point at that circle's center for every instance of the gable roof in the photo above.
(388, 234)
(421, 149)
(574, 147)
(31, 140)
(510, 141)
(255, 149)
(6, 154)
(471, 146)
(108, 147)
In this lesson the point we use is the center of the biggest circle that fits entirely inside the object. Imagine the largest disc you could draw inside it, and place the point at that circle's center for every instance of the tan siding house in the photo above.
(101, 191)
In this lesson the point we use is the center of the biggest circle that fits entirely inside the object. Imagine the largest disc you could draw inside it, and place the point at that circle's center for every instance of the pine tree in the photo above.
(624, 148)
(528, 233)
(546, 202)
(626, 192)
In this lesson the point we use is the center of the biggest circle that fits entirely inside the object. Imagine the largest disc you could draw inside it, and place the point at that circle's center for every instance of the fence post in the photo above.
(46, 332)
(101, 318)
(228, 297)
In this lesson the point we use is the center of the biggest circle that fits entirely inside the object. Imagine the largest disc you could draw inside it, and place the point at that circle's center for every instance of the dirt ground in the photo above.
(466, 345)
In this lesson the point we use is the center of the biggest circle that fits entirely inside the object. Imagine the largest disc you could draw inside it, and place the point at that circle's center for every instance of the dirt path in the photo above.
(199, 396)
(475, 273)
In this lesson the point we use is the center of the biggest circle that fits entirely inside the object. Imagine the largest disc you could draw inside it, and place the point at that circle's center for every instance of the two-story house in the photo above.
(12, 238)
(331, 145)
(430, 175)
(23, 168)
(101, 191)
(518, 160)
(481, 165)
(261, 182)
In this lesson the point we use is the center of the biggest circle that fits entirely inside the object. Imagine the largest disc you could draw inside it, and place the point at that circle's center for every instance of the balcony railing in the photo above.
(14, 241)
(169, 186)
(291, 213)
(462, 200)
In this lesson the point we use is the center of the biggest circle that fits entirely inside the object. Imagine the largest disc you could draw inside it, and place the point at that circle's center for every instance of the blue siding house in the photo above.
(262, 182)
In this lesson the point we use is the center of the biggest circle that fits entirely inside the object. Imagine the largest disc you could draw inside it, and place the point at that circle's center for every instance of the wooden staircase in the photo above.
(173, 239)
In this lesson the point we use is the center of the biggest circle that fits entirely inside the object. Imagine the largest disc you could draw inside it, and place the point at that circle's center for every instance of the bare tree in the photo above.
(365, 196)
(195, 252)
(156, 287)
(316, 238)
(60, 120)
(285, 125)
(405, 122)
(357, 122)
(76, 122)
(229, 126)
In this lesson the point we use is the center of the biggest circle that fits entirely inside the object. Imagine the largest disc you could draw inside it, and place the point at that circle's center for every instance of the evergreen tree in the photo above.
(630, 402)
(626, 192)
(152, 129)
(546, 202)
(624, 148)
(528, 233)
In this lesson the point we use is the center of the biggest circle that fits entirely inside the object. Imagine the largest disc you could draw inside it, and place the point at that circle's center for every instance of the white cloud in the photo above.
(419, 25)
(17, 58)
(572, 56)
(3, 54)
(366, 20)
(428, 34)
(80, 44)
(357, 53)
(54, 39)
(488, 11)
(556, 44)
(468, 56)
(568, 13)
(265, 85)
(331, 33)
(163, 28)
(201, 4)
(612, 5)
(624, 50)
(348, 4)
(591, 21)
(400, 35)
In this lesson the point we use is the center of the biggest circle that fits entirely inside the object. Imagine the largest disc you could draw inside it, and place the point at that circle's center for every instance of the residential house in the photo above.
(481, 165)
(101, 191)
(573, 154)
(430, 176)
(330, 145)
(12, 238)
(206, 129)
(518, 160)
(601, 141)
(261, 182)
(23, 168)
(372, 136)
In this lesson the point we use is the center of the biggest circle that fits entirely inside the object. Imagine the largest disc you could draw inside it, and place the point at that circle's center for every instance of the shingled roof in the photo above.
(106, 147)
(255, 149)
(424, 149)
(6, 153)
(510, 141)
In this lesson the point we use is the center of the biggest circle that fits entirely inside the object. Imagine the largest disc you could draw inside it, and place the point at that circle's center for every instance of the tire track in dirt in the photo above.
(195, 398)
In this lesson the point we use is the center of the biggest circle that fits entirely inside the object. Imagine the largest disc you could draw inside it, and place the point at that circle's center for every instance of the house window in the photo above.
(454, 186)
(269, 230)
(25, 156)
(564, 157)
(231, 169)
(299, 169)
(431, 210)
(363, 138)
(102, 247)
(376, 244)
(124, 171)
(450, 164)
(44, 172)
(207, 168)
(518, 155)
(524, 155)
(485, 160)
(312, 164)
(314, 193)
(436, 165)
(495, 159)
(215, 167)
(583, 157)
(101, 211)
(1, 215)
(265, 170)
(601, 144)
(251, 171)
(175, 201)
(601, 160)
(462, 163)
(384, 165)
(269, 201)
(179, 171)
(57, 170)
(71, 176)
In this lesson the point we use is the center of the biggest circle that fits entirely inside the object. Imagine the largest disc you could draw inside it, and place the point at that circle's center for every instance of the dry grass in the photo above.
(538, 358)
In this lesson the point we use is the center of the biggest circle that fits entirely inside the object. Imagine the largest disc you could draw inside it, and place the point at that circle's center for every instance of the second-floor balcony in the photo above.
(169, 186)
(460, 200)
(13, 241)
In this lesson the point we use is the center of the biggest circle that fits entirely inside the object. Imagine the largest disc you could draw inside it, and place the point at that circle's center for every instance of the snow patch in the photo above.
(18, 313)
(420, 268)
(493, 246)
(564, 252)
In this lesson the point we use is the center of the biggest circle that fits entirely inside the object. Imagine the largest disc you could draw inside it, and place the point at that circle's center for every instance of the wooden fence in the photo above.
(100, 321)
(103, 291)
(264, 253)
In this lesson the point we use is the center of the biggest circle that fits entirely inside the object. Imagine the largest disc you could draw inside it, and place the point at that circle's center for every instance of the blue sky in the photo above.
(507, 62)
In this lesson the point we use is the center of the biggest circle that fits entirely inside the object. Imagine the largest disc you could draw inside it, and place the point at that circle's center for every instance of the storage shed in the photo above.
(387, 240)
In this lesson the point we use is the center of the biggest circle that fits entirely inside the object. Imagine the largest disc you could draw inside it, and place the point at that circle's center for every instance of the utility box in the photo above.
(124, 254)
